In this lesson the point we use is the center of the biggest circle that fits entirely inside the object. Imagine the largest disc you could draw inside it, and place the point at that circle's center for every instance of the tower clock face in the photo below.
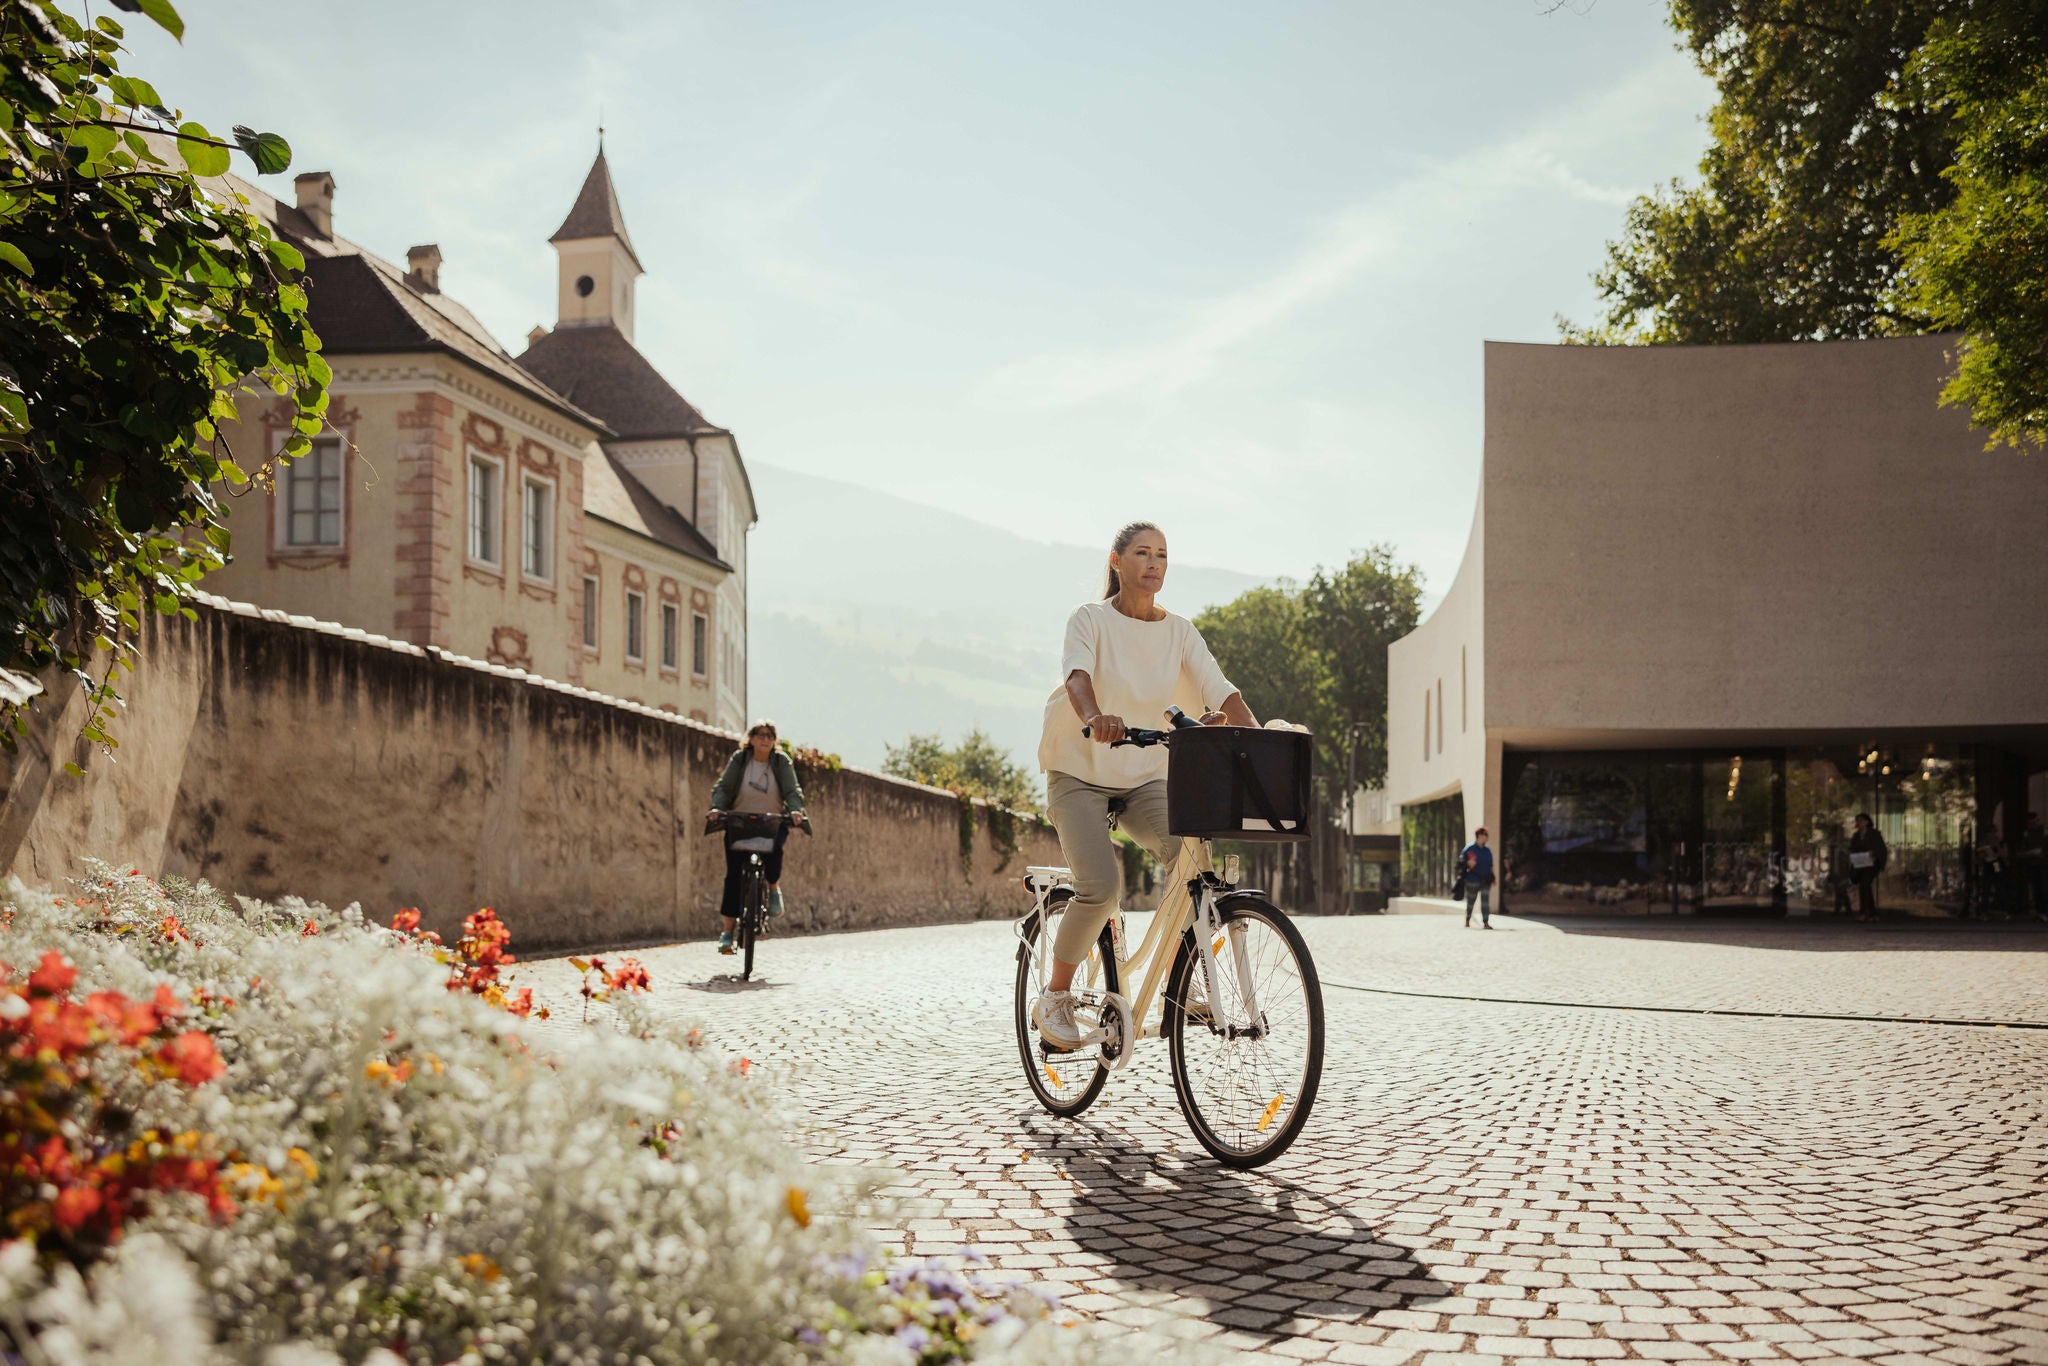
(584, 284)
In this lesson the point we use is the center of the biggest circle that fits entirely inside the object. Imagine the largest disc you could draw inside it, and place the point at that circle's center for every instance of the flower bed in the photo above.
(282, 1134)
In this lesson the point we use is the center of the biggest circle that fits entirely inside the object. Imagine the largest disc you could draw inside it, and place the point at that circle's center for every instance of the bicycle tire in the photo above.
(750, 923)
(1237, 1139)
(1049, 1078)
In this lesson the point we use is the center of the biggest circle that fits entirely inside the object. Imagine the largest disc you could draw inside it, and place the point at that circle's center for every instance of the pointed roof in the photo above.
(596, 211)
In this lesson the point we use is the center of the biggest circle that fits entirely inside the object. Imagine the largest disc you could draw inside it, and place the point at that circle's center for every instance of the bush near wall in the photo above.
(280, 1134)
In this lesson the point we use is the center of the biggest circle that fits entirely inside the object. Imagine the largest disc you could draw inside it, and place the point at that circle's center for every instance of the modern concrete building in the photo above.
(1716, 601)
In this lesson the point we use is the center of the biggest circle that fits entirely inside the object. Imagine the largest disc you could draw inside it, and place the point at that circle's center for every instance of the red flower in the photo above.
(54, 975)
(628, 976)
(521, 1004)
(75, 1205)
(406, 921)
(193, 1057)
(311, 931)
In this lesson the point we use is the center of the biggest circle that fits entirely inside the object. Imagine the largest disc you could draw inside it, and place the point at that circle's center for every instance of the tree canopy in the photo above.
(1980, 265)
(1818, 150)
(1317, 653)
(133, 305)
(976, 767)
(1876, 168)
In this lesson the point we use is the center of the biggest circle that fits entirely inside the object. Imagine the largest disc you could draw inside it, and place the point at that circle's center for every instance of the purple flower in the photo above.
(914, 1337)
(810, 1337)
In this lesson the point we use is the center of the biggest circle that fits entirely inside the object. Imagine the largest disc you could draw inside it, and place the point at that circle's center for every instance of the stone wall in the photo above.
(276, 756)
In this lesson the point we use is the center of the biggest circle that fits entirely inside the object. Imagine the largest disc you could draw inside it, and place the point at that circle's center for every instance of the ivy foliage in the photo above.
(134, 304)
(1980, 265)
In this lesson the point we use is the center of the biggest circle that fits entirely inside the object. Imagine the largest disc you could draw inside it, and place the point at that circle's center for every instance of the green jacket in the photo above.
(727, 790)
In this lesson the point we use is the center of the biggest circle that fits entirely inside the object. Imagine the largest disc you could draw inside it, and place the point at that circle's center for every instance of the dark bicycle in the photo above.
(753, 916)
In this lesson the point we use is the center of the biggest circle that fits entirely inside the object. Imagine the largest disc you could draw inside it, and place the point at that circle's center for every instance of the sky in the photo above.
(1053, 266)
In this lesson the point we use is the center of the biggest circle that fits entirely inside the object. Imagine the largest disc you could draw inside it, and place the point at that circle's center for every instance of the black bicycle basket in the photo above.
(1239, 783)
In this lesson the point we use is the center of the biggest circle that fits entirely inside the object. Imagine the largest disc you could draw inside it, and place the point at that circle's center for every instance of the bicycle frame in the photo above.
(1192, 892)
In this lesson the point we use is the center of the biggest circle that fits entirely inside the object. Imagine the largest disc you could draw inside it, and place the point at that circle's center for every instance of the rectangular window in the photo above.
(700, 645)
(484, 502)
(312, 491)
(636, 626)
(671, 635)
(590, 604)
(537, 530)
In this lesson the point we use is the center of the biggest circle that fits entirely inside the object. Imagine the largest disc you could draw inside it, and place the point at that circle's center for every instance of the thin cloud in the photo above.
(1377, 233)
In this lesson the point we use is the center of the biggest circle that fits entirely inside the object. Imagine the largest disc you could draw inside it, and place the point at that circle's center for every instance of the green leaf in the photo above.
(285, 254)
(269, 151)
(160, 10)
(95, 139)
(11, 254)
(202, 158)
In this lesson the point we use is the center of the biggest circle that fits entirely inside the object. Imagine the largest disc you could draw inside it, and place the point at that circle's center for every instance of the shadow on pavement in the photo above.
(1267, 1255)
(728, 984)
(1802, 934)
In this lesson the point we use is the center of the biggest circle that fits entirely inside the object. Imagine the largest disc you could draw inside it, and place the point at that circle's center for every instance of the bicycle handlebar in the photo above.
(756, 823)
(1142, 738)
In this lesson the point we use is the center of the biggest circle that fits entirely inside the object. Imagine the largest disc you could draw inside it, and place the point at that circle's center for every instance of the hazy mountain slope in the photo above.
(874, 616)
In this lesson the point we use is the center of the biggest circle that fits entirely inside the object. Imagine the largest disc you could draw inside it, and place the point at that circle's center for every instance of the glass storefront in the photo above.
(1432, 836)
(1763, 830)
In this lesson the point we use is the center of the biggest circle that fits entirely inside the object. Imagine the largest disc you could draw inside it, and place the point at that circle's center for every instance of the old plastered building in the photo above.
(567, 511)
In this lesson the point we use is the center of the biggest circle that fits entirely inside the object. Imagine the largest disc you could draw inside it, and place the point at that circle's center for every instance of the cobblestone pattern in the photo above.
(1478, 1183)
(1900, 968)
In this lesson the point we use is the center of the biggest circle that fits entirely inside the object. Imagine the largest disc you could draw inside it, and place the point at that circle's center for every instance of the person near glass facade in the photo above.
(1475, 867)
(1868, 856)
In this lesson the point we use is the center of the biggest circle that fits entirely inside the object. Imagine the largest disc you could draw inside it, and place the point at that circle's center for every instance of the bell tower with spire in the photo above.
(595, 258)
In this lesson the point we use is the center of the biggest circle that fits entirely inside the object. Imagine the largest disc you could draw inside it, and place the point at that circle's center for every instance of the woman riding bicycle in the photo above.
(1125, 656)
(759, 780)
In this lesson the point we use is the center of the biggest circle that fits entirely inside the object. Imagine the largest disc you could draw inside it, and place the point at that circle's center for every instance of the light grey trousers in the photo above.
(1080, 812)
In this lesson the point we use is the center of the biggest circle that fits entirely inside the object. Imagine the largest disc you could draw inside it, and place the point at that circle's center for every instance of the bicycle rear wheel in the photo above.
(1065, 1083)
(1246, 1082)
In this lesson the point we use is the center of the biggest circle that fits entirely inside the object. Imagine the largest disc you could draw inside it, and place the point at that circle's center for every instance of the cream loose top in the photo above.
(1139, 668)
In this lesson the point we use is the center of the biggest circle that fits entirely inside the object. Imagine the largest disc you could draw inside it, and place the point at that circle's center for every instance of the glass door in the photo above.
(1742, 852)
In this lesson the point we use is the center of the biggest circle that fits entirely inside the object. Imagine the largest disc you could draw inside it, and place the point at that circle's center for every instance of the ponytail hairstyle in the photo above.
(1119, 546)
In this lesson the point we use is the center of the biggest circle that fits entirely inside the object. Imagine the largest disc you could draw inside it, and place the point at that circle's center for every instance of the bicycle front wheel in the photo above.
(750, 929)
(1246, 1064)
(1065, 1083)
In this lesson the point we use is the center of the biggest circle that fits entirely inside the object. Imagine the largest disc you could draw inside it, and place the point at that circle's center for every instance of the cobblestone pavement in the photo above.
(1478, 1182)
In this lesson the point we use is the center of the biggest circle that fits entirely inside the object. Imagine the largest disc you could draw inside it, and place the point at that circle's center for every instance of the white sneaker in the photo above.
(1053, 1013)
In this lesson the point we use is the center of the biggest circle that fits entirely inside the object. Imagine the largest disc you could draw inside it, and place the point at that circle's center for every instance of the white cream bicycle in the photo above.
(1241, 1008)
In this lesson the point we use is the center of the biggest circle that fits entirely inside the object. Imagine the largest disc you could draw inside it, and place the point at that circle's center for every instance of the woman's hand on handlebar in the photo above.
(1215, 718)
(1105, 730)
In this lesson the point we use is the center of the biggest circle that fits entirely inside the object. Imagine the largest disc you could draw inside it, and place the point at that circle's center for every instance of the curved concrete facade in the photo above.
(1693, 546)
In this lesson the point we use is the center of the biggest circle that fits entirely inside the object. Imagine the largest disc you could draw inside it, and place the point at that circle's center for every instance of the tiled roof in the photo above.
(596, 211)
(612, 494)
(361, 304)
(597, 369)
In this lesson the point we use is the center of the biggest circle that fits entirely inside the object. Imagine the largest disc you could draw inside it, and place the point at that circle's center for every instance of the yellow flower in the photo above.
(799, 1206)
(303, 1160)
(480, 1266)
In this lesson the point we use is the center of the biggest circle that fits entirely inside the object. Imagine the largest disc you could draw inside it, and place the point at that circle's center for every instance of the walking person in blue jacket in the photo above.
(1475, 868)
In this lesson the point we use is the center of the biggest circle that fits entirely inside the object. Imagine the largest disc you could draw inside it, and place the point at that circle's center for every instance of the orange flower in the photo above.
(54, 975)
(310, 932)
(628, 976)
(406, 921)
(193, 1057)
(75, 1205)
